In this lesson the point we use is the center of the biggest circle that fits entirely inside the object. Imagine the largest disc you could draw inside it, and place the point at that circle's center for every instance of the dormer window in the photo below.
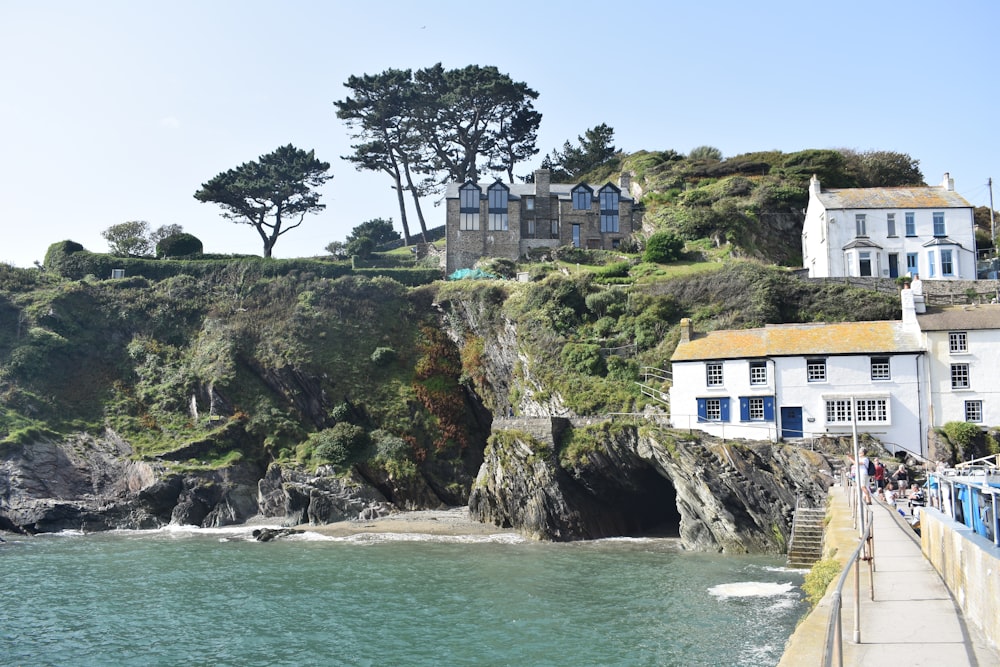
(582, 196)
(468, 198)
(609, 198)
(498, 195)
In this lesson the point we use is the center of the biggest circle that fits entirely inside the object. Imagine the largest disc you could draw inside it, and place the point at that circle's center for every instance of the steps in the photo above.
(806, 544)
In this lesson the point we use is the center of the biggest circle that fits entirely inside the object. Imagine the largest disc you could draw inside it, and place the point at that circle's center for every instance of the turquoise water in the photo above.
(215, 597)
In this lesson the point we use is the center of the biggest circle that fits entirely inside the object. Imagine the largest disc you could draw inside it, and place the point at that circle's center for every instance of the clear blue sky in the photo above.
(116, 111)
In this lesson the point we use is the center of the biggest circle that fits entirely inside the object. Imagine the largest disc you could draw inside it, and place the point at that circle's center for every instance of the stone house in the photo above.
(889, 232)
(509, 219)
(804, 380)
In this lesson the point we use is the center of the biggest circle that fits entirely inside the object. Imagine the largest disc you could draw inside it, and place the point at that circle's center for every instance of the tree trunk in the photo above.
(402, 210)
(416, 202)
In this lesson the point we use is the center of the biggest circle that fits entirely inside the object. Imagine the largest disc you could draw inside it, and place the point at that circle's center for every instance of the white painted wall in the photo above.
(846, 375)
(983, 357)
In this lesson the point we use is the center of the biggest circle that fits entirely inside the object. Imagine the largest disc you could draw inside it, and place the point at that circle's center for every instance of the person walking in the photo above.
(862, 474)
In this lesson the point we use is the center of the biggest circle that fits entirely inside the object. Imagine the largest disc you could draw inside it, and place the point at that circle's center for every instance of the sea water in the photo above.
(217, 597)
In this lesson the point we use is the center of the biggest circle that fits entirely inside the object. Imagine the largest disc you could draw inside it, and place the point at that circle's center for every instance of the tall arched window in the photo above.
(609, 197)
(498, 195)
(582, 196)
(468, 197)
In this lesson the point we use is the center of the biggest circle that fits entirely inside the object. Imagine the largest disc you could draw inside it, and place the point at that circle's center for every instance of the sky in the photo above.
(112, 111)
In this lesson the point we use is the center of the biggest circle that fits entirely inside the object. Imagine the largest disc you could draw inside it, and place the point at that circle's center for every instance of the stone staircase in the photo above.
(806, 544)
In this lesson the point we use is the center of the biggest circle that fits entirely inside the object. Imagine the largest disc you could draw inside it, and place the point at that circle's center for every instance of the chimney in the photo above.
(686, 330)
(625, 183)
(909, 308)
(543, 181)
(948, 183)
(814, 188)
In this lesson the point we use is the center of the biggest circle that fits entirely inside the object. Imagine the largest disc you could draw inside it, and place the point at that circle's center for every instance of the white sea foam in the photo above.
(381, 538)
(745, 589)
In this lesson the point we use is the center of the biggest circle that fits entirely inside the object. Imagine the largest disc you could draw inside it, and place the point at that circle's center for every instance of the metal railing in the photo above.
(833, 653)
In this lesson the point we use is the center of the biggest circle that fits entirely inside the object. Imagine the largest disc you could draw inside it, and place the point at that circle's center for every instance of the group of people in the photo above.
(888, 486)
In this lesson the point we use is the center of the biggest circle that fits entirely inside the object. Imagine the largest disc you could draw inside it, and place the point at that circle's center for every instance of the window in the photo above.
(581, 198)
(930, 264)
(497, 195)
(609, 209)
(713, 374)
(713, 409)
(816, 370)
(468, 197)
(960, 376)
(880, 368)
(758, 372)
(890, 224)
(576, 236)
(911, 224)
(531, 227)
(974, 411)
(870, 411)
(958, 341)
(865, 263)
(859, 225)
(947, 267)
(555, 229)
(529, 203)
(911, 263)
(939, 224)
(757, 408)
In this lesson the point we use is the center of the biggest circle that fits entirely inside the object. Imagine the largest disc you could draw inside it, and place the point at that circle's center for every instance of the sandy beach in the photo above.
(454, 521)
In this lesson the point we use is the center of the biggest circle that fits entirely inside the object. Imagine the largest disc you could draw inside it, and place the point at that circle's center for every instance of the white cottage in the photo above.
(889, 232)
(963, 349)
(803, 380)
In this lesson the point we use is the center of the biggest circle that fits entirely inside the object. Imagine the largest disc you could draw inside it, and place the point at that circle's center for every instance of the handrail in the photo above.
(834, 648)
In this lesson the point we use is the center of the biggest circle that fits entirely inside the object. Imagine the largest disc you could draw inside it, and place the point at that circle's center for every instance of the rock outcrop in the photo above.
(629, 479)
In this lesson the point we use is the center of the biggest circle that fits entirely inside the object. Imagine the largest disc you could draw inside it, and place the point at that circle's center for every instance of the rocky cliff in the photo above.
(641, 478)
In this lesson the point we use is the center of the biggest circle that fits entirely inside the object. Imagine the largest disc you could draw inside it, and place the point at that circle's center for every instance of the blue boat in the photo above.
(970, 494)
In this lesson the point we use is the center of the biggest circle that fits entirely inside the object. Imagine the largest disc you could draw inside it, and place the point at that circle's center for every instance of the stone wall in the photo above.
(968, 563)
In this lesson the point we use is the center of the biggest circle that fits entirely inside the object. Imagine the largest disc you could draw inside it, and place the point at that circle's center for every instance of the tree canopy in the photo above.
(129, 239)
(272, 194)
(574, 162)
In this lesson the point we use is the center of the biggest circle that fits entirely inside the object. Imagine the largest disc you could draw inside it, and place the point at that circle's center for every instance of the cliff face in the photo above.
(426, 398)
(645, 479)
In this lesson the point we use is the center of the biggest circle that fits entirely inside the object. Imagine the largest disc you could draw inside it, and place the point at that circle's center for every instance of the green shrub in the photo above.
(663, 247)
(337, 444)
(818, 579)
(179, 245)
(383, 356)
(584, 358)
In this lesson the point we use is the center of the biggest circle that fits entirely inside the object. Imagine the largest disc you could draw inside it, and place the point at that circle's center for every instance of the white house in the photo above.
(963, 349)
(804, 380)
(889, 232)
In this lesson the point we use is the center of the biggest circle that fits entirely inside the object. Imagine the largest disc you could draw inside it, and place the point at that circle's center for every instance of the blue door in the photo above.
(791, 422)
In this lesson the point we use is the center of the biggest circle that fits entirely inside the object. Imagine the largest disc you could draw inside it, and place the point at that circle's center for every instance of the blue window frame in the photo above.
(498, 196)
(911, 224)
(890, 224)
(576, 236)
(756, 408)
(582, 196)
(911, 263)
(468, 197)
(939, 224)
(947, 266)
(713, 409)
(930, 264)
(609, 198)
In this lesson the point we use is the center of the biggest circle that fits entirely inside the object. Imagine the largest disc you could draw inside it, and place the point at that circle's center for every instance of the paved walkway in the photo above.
(912, 621)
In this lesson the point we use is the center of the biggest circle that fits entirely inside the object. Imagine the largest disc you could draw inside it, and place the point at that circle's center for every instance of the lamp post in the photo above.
(857, 466)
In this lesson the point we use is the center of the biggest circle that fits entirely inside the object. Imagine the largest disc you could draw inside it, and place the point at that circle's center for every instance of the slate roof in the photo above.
(791, 340)
(518, 190)
(960, 318)
(934, 196)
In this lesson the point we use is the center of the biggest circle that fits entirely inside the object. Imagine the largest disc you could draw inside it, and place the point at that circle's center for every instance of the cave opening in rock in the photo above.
(651, 509)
